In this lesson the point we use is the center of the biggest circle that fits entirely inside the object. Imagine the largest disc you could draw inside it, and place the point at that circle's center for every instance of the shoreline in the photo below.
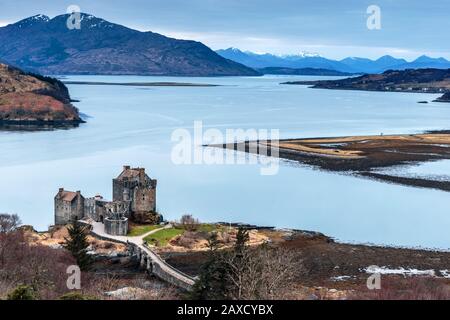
(313, 234)
(321, 263)
(434, 81)
(312, 85)
(303, 233)
(38, 125)
(325, 262)
(361, 156)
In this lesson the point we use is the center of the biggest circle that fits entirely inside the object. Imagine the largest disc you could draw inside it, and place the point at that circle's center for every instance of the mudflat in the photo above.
(362, 155)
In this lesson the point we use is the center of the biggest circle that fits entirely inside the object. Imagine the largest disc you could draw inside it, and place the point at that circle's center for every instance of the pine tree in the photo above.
(242, 237)
(212, 282)
(77, 244)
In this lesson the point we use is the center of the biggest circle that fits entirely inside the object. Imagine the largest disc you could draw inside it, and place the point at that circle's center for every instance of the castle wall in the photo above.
(134, 196)
(116, 227)
(94, 209)
(118, 190)
(144, 200)
(66, 211)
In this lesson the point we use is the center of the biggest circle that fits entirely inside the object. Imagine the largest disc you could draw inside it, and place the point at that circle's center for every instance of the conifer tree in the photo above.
(242, 237)
(77, 244)
(212, 282)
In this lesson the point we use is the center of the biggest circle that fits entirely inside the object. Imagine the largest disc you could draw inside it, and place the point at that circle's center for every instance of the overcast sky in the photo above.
(332, 28)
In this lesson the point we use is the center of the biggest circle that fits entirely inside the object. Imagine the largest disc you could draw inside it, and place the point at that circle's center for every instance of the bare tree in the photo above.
(38, 266)
(9, 222)
(278, 271)
(189, 223)
(260, 273)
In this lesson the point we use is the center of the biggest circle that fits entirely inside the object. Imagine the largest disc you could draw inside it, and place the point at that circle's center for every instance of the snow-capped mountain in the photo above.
(313, 60)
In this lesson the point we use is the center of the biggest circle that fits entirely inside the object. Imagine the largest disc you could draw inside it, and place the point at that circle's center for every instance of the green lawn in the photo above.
(140, 230)
(207, 227)
(162, 237)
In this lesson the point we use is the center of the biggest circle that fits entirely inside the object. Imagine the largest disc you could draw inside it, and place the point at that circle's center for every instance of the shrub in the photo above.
(187, 240)
(397, 288)
(225, 237)
(22, 292)
(76, 296)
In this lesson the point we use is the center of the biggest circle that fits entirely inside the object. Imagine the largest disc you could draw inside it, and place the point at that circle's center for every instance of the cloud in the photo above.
(294, 45)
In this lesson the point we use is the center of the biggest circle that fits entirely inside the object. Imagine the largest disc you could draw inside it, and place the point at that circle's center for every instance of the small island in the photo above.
(410, 80)
(31, 100)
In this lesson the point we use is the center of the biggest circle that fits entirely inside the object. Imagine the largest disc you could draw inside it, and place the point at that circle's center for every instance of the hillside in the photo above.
(43, 45)
(410, 80)
(30, 99)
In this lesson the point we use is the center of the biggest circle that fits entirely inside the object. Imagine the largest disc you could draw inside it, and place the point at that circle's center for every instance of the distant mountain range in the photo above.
(349, 65)
(302, 71)
(43, 45)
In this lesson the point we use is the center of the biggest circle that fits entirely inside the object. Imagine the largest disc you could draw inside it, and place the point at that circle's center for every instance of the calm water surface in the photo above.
(130, 125)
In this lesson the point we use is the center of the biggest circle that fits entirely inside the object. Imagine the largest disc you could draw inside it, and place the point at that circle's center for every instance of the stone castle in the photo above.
(134, 198)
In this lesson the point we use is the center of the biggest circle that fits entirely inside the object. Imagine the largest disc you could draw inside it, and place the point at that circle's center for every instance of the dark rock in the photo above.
(444, 98)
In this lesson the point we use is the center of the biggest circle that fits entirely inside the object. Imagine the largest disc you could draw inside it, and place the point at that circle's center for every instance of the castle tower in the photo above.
(69, 205)
(135, 186)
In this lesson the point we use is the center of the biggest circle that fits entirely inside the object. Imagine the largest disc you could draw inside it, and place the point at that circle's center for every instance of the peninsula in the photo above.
(365, 156)
(30, 99)
(410, 80)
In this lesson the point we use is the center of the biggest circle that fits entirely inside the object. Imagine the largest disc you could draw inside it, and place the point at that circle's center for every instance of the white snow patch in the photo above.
(56, 246)
(342, 278)
(127, 293)
(399, 271)
(445, 273)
